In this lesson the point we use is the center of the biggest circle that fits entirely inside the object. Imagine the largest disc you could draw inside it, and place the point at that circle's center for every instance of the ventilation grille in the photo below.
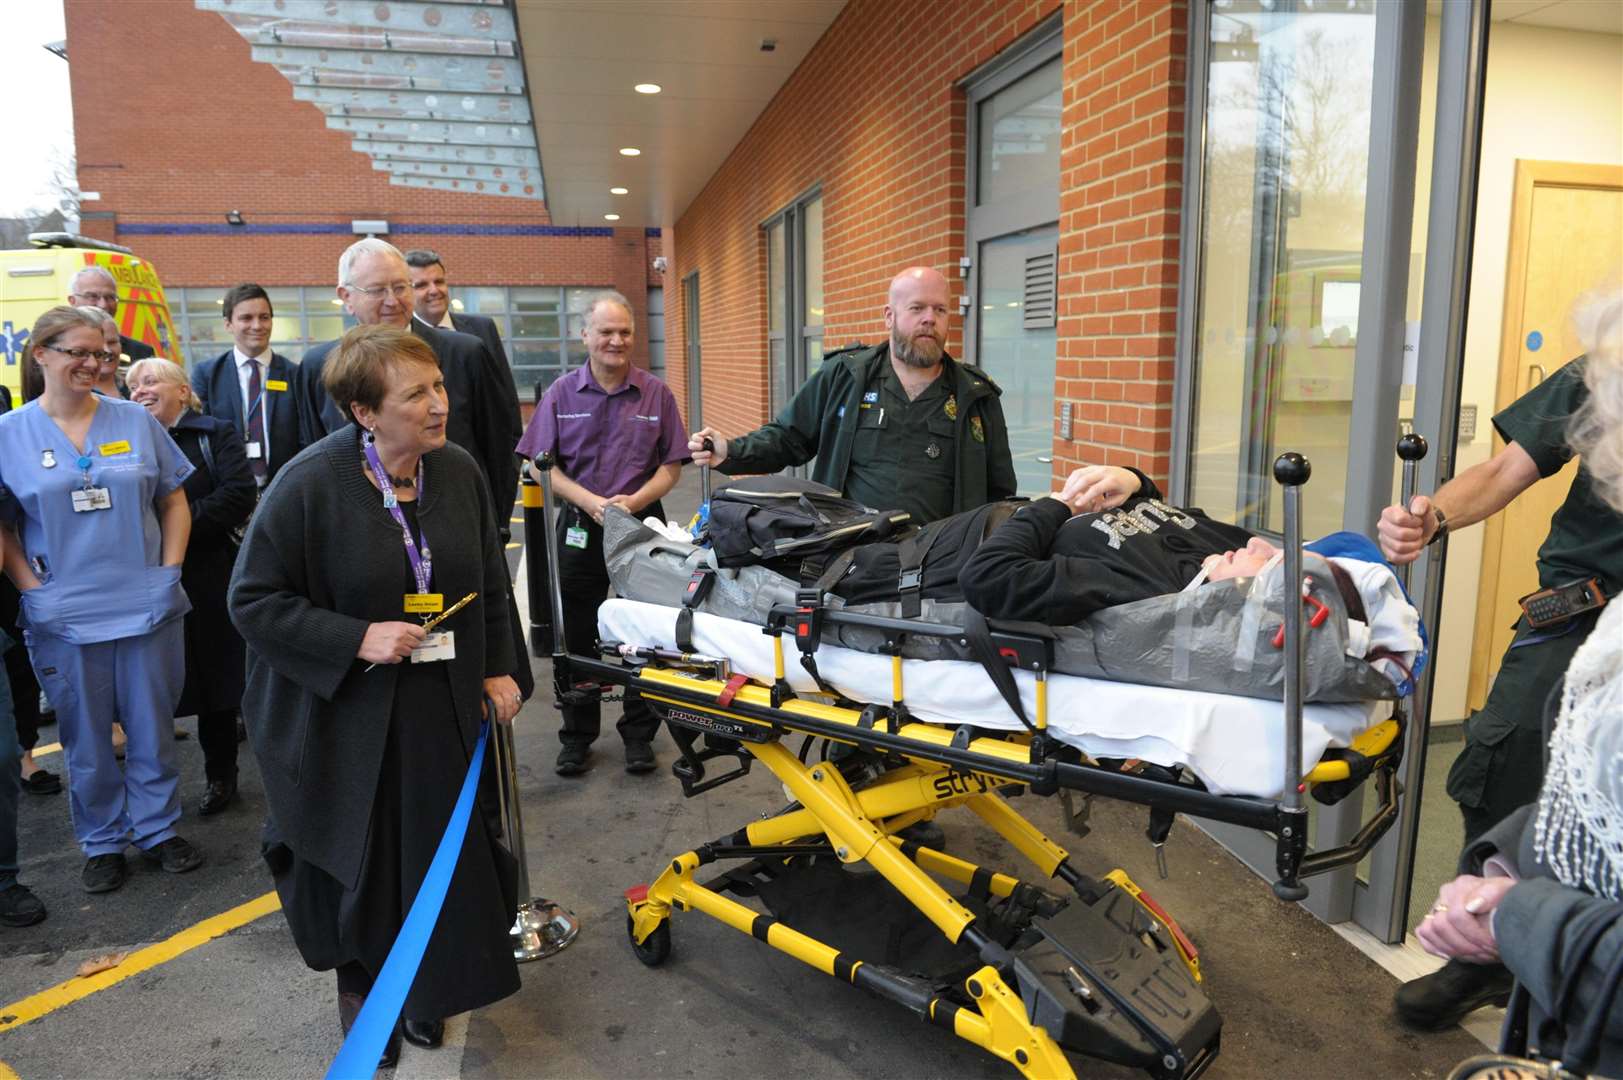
(1042, 280)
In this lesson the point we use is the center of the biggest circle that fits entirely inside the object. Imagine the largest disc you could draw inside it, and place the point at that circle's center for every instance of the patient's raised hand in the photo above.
(1092, 488)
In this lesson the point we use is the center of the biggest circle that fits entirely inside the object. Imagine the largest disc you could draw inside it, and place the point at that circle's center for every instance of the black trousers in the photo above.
(217, 734)
(584, 582)
(1501, 767)
(24, 694)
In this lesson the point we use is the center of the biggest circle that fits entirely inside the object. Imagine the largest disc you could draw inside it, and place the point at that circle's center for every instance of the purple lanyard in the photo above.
(422, 564)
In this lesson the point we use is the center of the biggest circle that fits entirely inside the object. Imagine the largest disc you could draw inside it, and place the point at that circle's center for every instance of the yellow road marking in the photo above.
(518, 521)
(47, 1001)
(513, 545)
(7, 1072)
(41, 751)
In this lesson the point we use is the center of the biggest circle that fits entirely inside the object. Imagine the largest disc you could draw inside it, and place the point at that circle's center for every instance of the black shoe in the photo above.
(639, 757)
(1443, 998)
(42, 782)
(571, 760)
(219, 795)
(104, 873)
(425, 1033)
(19, 907)
(925, 834)
(349, 1007)
(175, 855)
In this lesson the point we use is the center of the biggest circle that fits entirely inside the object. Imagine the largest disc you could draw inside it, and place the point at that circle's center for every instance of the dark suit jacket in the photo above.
(476, 422)
(135, 350)
(220, 492)
(219, 394)
(500, 374)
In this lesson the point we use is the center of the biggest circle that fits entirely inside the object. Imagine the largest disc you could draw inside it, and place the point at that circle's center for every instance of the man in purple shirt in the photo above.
(615, 434)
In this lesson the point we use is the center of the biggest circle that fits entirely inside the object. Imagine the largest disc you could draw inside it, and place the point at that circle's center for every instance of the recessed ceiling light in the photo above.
(647, 88)
(629, 151)
(611, 217)
(617, 191)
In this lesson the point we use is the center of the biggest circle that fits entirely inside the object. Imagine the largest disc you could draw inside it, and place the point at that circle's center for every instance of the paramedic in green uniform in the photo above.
(901, 426)
(1502, 764)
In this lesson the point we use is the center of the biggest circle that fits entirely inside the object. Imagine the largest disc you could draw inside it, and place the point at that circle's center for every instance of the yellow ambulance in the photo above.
(33, 279)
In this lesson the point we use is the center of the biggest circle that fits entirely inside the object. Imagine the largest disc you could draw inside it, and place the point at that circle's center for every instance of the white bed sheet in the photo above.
(1234, 744)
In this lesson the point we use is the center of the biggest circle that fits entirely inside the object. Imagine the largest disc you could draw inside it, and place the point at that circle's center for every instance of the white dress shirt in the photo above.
(242, 360)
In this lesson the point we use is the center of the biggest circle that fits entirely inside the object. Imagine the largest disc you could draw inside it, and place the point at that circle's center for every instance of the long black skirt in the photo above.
(469, 961)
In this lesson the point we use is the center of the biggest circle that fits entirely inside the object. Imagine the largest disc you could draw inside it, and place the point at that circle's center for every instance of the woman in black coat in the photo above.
(365, 729)
(221, 493)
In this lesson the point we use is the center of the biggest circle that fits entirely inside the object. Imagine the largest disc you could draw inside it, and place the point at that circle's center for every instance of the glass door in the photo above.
(1016, 344)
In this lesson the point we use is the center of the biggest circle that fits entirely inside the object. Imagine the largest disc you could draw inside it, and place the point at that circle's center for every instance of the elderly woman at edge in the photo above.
(221, 494)
(363, 727)
(1542, 891)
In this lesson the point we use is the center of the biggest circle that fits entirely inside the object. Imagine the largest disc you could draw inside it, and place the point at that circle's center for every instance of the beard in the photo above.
(921, 351)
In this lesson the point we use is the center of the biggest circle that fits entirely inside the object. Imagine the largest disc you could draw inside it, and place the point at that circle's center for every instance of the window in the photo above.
(540, 325)
(656, 331)
(794, 289)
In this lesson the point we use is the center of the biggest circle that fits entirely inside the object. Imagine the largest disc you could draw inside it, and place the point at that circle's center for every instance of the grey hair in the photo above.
(166, 370)
(99, 271)
(607, 296)
(1596, 433)
(359, 250)
(98, 314)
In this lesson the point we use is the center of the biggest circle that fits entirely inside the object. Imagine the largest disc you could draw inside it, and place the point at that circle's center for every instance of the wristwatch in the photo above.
(1442, 525)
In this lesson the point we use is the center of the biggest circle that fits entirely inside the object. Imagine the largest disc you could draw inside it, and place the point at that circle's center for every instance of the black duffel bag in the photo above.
(791, 525)
(922, 565)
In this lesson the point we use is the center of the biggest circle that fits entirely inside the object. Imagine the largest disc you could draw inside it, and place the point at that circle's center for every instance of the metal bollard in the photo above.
(542, 927)
(536, 568)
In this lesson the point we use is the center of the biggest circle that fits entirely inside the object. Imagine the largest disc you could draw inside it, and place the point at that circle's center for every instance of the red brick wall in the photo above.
(883, 133)
(211, 131)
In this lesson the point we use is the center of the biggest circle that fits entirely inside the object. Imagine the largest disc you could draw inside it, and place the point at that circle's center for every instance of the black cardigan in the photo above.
(322, 560)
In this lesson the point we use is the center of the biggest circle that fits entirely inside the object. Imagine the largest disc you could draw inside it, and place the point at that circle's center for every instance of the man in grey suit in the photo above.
(432, 307)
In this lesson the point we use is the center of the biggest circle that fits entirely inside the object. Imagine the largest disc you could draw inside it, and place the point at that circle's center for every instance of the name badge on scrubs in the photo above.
(440, 645)
(431, 603)
(255, 451)
(275, 384)
(110, 449)
(575, 537)
(92, 498)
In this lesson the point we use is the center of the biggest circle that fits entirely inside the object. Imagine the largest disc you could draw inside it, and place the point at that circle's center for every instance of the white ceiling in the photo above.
(582, 58)
(1594, 16)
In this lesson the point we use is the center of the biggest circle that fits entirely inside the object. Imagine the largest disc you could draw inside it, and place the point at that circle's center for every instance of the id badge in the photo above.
(440, 645)
(575, 537)
(425, 603)
(88, 499)
(255, 451)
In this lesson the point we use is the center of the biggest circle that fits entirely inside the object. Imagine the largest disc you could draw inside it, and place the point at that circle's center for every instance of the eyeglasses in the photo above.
(397, 289)
(98, 297)
(101, 356)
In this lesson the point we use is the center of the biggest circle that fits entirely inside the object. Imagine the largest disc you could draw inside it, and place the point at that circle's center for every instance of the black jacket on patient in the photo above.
(1044, 565)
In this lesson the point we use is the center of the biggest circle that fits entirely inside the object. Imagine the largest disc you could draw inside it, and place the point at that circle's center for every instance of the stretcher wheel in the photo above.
(656, 949)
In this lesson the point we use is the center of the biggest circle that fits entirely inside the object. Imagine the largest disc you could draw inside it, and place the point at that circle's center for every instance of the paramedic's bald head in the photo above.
(916, 316)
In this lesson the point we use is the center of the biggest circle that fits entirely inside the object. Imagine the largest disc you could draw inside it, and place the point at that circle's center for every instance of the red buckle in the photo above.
(637, 894)
(734, 685)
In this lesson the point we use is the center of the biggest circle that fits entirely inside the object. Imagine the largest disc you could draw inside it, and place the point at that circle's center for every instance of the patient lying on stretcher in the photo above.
(1108, 538)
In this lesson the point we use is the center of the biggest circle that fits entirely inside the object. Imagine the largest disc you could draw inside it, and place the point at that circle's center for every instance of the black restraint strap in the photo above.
(985, 652)
(692, 596)
(911, 554)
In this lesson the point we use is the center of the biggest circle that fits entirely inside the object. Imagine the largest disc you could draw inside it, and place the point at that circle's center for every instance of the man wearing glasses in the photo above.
(374, 286)
(95, 287)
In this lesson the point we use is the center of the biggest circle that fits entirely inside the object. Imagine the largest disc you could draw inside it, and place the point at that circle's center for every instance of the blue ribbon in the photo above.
(358, 1058)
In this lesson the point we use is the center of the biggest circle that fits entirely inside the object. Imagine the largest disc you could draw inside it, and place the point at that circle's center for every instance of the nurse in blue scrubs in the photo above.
(91, 485)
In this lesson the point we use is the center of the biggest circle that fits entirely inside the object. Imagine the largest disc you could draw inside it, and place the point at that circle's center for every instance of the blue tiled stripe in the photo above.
(315, 228)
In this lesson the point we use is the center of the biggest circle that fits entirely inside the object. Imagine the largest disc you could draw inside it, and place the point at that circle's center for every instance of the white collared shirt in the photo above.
(242, 360)
(445, 322)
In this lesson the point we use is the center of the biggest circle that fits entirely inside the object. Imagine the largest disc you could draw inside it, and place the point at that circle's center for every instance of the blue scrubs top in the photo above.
(102, 579)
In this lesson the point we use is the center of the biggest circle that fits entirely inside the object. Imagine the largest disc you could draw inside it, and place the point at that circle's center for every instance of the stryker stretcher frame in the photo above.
(1130, 994)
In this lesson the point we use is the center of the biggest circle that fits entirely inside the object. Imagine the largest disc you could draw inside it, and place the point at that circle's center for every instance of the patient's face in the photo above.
(1244, 562)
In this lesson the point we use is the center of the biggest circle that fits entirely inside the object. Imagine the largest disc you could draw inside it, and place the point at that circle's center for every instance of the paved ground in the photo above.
(1297, 1000)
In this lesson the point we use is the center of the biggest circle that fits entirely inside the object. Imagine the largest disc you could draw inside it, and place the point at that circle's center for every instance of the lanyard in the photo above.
(84, 470)
(422, 563)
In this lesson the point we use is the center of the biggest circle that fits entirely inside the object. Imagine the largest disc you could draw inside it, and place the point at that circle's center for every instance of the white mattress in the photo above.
(1234, 744)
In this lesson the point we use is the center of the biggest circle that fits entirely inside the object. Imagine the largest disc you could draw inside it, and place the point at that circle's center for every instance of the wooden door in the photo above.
(1566, 238)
